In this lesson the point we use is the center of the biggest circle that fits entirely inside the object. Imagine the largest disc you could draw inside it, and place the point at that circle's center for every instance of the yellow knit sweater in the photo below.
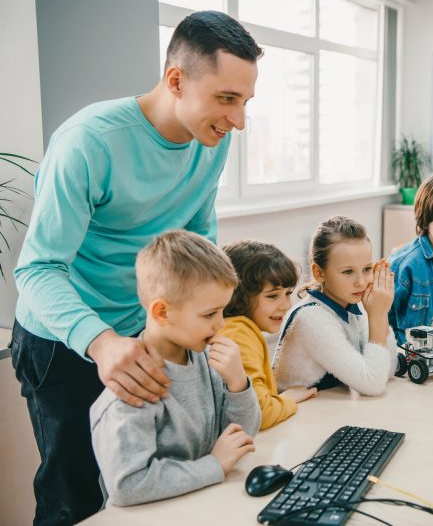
(257, 365)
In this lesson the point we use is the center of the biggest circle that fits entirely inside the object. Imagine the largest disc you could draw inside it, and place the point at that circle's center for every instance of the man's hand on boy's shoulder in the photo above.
(225, 358)
(132, 369)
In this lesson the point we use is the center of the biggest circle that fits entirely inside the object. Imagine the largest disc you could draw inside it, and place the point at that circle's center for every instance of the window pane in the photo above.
(348, 23)
(198, 5)
(347, 117)
(295, 16)
(279, 118)
(165, 34)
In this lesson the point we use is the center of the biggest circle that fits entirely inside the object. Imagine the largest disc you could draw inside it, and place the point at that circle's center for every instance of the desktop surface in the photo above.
(403, 408)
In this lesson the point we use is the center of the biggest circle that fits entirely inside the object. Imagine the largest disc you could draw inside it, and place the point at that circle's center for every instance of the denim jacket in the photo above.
(413, 300)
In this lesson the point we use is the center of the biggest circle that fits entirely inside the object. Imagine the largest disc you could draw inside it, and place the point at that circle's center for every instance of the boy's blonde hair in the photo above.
(177, 261)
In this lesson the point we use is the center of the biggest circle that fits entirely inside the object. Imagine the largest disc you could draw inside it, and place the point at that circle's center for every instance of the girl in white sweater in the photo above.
(327, 339)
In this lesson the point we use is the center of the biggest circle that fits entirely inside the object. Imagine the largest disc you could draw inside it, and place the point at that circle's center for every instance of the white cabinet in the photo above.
(398, 227)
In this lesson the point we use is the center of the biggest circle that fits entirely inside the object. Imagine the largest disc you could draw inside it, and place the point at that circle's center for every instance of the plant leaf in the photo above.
(6, 186)
(408, 162)
(13, 220)
(6, 242)
(16, 164)
(18, 157)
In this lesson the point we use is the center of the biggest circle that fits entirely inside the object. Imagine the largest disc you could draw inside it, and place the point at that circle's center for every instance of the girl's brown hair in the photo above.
(424, 206)
(330, 232)
(257, 264)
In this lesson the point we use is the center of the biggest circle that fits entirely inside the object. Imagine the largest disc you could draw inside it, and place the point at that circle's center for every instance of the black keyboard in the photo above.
(336, 474)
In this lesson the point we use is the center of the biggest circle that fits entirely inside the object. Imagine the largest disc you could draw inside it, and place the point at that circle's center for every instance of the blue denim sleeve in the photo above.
(396, 313)
(411, 303)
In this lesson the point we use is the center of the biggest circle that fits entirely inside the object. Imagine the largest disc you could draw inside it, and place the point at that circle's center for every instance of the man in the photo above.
(116, 174)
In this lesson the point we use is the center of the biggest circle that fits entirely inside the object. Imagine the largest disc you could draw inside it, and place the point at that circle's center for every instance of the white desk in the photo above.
(406, 407)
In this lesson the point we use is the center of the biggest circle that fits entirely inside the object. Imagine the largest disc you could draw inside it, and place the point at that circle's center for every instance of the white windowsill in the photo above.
(267, 206)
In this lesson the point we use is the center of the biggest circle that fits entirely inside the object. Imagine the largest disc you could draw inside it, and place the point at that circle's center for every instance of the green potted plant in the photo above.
(7, 191)
(409, 161)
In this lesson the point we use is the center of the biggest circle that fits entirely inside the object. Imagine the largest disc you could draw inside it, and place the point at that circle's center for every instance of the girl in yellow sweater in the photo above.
(266, 279)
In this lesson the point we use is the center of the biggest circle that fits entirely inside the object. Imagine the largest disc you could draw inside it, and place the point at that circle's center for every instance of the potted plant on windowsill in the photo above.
(409, 161)
(7, 192)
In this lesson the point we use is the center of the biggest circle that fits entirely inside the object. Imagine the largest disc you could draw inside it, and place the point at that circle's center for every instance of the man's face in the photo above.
(199, 318)
(210, 105)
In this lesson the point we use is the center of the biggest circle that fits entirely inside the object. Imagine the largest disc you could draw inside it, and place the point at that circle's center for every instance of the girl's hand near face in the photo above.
(225, 358)
(377, 300)
(379, 295)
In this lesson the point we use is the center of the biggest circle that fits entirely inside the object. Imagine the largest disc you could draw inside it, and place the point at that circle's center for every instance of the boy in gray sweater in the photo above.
(195, 436)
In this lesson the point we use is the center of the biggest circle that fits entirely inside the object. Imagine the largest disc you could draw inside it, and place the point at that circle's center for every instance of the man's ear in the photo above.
(174, 80)
(158, 309)
(317, 273)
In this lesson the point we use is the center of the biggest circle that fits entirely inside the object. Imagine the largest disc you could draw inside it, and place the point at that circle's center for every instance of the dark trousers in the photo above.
(59, 387)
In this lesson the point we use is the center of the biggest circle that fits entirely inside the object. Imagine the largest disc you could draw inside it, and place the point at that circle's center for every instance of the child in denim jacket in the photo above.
(413, 268)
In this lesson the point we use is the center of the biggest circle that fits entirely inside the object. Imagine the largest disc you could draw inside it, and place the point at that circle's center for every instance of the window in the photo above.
(347, 104)
(294, 16)
(279, 118)
(325, 99)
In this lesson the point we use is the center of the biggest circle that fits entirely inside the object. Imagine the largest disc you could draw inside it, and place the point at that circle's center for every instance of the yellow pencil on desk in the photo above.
(377, 480)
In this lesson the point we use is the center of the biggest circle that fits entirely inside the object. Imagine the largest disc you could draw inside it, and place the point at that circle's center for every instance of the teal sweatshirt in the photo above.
(108, 184)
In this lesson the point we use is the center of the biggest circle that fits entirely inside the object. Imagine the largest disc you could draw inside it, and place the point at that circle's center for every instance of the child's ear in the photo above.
(158, 309)
(317, 273)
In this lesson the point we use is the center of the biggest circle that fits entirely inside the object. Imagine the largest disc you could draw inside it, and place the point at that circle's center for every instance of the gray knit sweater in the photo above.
(162, 450)
(319, 341)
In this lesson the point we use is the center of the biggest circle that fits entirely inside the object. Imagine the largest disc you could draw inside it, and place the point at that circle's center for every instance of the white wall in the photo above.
(21, 133)
(92, 50)
(417, 79)
(21, 124)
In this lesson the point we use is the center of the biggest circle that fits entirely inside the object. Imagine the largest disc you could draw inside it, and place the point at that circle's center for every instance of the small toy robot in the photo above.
(417, 359)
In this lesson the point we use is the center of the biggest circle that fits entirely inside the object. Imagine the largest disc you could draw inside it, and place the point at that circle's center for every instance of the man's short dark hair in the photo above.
(202, 34)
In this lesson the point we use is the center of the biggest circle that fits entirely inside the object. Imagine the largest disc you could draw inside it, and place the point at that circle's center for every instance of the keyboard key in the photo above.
(332, 517)
(304, 488)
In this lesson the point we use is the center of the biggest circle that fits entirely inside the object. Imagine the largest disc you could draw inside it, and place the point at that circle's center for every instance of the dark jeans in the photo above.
(59, 387)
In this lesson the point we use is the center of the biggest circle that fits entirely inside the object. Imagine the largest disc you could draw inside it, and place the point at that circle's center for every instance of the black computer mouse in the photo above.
(263, 480)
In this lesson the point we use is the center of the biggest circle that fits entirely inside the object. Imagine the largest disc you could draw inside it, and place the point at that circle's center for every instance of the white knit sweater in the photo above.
(319, 341)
